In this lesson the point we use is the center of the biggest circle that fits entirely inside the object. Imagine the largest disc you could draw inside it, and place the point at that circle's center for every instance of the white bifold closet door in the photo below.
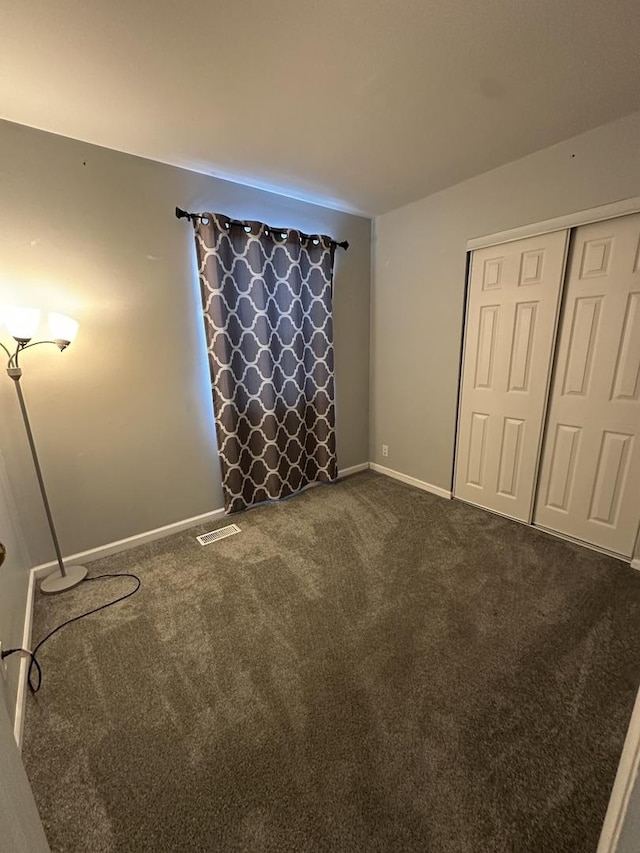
(590, 476)
(514, 294)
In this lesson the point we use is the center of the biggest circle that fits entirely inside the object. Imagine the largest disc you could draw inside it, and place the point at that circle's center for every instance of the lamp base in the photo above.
(55, 582)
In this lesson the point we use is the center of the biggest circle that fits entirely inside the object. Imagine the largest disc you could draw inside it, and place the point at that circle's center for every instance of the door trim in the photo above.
(463, 350)
(628, 772)
(558, 223)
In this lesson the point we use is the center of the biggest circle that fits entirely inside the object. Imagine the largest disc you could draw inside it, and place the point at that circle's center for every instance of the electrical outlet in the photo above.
(385, 449)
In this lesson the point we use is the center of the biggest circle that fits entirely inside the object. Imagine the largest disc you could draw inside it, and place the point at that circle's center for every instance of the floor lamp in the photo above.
(22, 324)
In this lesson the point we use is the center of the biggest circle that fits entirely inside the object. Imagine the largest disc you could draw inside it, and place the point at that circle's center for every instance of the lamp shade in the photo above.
(21, 322)
(62, 328)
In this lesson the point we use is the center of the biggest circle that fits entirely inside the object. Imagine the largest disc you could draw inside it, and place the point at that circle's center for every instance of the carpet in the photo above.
(365, 667)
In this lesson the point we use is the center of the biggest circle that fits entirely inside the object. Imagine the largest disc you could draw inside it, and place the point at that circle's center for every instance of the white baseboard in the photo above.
(150, 535)
(635, 563)
(628, 771)
(130, 542)
(107, 550)
(21, 697)
(411, 481)
(354, 469)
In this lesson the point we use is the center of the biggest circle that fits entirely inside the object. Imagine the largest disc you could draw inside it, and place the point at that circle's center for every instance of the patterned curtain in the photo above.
(266, 298)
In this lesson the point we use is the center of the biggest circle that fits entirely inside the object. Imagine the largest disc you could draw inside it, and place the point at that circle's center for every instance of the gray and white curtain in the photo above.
(267, 302)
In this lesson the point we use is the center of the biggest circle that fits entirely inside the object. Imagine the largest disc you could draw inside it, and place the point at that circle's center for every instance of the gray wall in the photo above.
(123, 418)
(14, 581)
(419, 273)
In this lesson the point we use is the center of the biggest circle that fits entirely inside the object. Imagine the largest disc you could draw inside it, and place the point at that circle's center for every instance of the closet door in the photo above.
(514, 292)
(590, 476)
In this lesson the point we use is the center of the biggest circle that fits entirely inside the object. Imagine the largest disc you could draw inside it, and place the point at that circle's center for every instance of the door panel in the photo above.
(523, 334)
(511, 322)
(611, 475)
(477, 447)
(626, 382)
(590, 474)
(486, 346)
(510, 456)
(562, 473)
(584, 328)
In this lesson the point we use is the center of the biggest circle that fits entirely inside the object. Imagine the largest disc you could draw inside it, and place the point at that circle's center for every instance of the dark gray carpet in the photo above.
(365, 667)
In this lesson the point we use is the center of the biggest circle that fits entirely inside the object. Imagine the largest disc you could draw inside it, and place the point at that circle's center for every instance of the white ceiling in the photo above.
(360, 104)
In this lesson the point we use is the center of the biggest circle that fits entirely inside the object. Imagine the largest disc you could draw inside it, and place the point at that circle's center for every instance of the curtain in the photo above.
(267, 303)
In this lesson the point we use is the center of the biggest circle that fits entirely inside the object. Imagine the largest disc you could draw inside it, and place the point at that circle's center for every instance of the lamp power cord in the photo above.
(33, 663)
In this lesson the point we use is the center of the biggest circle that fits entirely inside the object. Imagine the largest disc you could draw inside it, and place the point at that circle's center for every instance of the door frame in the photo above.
(627, 775)
(558, 223)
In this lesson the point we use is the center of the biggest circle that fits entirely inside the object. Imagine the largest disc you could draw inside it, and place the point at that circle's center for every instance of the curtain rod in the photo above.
(182, 214)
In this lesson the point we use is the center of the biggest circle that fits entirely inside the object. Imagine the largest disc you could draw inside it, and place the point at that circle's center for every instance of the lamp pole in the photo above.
(67, 576)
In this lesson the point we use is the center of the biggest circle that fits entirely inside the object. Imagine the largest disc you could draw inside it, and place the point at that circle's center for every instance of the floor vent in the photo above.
(220, 533)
